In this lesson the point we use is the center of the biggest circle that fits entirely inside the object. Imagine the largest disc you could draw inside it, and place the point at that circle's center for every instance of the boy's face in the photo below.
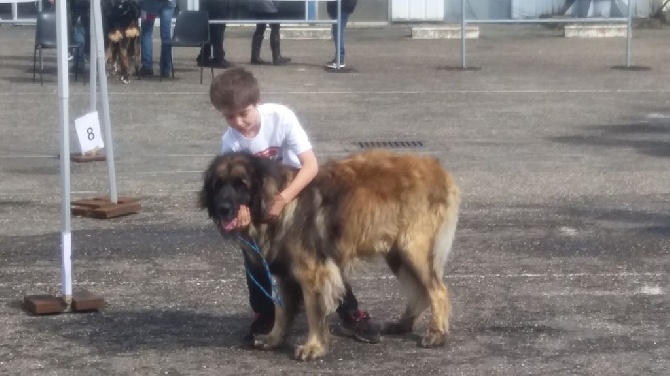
(244, 120)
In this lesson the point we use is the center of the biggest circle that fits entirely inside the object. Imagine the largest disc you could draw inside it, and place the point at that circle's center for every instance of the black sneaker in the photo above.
(221, 64)
(360, 327)
(260, 325)
(146, 71)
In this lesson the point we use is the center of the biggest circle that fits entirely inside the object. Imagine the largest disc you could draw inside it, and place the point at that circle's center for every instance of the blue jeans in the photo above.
(165, 16)
(80, 38)
(344, 20)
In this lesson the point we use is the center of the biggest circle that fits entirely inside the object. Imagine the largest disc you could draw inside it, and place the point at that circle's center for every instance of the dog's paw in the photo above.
(310, 351)
(266, 342)
(124, 79)
(396, 328)
(434, 339)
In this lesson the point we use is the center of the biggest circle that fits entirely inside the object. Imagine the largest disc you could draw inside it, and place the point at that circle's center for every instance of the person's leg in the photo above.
(80, 39)
(216, 37)
(147, 44)
(344, 21)
(333, 31)
(205, 55)
(166, 35)
(219, 11)
(349, 305)
(256, 43)
(261, 304)
(86, 23)
(275, 45)
(355, 322)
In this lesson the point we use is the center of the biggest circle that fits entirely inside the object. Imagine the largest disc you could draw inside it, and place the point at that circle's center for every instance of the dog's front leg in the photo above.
(289, 292)
(316, 344)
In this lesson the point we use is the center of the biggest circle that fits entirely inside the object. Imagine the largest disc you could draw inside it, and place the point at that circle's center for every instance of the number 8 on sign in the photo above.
(88, 132)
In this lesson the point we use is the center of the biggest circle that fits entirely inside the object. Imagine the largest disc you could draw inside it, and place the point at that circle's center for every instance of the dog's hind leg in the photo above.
(413, 291)
(123, 58)
(108, 59)
(133, 36)
(291, 297)
(137, 57)
(423, 287)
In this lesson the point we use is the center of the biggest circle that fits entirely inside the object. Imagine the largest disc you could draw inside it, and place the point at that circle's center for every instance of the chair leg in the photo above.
(41, 69)
(172, 63)
(76, 63)
(202, 66)
(34, 63)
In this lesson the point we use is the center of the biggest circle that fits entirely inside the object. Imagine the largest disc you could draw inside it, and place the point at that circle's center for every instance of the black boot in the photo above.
(256, 42)
(277, 58)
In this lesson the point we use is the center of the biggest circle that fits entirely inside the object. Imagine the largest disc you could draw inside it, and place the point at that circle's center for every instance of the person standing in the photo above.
(80, 16)
(265, 9)
(163, 9)
(348, 7)
(215, 56)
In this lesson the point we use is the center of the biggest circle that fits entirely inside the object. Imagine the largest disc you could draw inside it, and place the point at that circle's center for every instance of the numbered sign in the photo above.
(88, 131)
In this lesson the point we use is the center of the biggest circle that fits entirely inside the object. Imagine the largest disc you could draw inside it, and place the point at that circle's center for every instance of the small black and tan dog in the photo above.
(122, 33)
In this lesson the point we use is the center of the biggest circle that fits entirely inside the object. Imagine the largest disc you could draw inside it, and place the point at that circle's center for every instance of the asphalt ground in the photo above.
(561, 259)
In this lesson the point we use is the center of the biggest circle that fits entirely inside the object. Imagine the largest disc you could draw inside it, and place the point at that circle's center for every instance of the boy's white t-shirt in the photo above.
(281, 137)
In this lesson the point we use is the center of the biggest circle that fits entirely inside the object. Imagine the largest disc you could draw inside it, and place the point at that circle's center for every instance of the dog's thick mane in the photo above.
(300, 218)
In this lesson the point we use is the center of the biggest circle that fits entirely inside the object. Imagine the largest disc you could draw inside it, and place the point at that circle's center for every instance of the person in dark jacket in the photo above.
(265, 9)
(215, 56)
(348, 7)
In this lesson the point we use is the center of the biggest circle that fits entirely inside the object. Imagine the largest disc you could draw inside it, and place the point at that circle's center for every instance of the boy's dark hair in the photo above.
(234, 89)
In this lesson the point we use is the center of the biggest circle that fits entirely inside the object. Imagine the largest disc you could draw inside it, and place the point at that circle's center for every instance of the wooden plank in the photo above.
(43, 304)
(86, 301)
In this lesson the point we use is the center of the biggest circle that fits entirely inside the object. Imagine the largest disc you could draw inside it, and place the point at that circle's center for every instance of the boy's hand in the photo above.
(243, 218)
(277, 206)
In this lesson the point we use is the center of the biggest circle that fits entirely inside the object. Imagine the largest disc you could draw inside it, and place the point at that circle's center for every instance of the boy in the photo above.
(273, 131)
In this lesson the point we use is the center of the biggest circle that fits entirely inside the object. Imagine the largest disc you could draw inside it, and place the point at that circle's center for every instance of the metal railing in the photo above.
(628, 20)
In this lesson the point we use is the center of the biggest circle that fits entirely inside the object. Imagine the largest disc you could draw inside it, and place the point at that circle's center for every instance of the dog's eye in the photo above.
(240, 184)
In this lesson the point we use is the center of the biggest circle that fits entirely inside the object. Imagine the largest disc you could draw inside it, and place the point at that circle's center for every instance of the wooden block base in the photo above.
(43, 304)
(83, 158)
(103, 208)
(86, 301)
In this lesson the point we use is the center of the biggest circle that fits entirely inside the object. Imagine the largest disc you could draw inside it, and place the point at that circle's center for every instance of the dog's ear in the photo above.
(209, 177)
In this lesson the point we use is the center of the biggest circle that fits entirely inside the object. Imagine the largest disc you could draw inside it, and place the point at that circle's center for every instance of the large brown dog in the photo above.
(401, 207)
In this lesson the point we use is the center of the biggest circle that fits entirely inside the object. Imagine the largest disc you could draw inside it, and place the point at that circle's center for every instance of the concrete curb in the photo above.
(444, 32)
(595, 31)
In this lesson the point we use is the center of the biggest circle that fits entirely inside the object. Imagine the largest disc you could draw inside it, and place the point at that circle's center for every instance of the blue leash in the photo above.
(277, 300)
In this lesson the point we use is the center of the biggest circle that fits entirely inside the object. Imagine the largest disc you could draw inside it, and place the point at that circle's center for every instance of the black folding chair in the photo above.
(191, 30)
(45, 38)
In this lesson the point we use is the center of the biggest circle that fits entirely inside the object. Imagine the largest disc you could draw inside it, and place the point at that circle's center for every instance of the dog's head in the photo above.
(236, 179)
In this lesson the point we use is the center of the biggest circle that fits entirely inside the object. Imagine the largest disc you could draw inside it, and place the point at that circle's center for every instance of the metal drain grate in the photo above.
(390, 144)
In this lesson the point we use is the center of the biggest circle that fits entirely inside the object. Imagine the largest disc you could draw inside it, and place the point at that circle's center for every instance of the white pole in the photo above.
(629, 31)
(63, 103)
(463, 34)
(107, 123)
(92, 59)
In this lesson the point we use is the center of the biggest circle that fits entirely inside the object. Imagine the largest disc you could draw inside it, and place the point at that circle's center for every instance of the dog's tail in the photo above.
(445, 235)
